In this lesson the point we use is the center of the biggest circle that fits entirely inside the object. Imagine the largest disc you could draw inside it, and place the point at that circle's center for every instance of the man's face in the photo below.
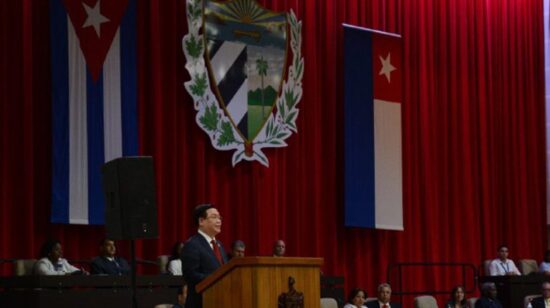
(546, 290)
(238, 252)
(492, 292)
(384, 295)
(108, 248)
(503, 253)
(212, 224)
(279, 249)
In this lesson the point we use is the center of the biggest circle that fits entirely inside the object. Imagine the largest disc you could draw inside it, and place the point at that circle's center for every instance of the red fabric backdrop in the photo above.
(473, 133)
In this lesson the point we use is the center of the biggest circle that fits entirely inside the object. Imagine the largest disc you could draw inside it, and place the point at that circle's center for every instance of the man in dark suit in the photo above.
(488, 297)
(202, 253)
(540, 302)
(107, 263)
(384, 298)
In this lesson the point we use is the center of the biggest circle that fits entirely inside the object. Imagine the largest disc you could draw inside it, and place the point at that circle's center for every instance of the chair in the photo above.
(472, 301)
(328, 302)
(162, 262)
(425, 301)
(528, 266)
(486, 267)
(371, 299)
(527, 299)
(23, 267)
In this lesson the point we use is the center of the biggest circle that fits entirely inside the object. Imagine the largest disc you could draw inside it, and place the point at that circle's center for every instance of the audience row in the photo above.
(358, 298)
(51, 260)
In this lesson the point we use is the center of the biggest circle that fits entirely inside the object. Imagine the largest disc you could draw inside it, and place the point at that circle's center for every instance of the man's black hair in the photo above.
(105, 240)
(200, 211)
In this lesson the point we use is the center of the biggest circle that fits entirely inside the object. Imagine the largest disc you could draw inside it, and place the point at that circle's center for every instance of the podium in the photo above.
(253, 282)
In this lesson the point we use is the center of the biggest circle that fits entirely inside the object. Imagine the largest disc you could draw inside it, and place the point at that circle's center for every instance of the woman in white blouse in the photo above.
(174, 263)
(356, 298)
(52, 262)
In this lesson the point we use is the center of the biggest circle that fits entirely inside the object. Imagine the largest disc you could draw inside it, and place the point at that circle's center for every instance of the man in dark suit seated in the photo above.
(544, 300)
(384, 298)
(488, 297)
(202, 253)
(107, 263)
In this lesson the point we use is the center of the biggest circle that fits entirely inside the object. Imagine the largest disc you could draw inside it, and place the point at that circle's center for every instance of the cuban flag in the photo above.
(94, 101)
(373, 96)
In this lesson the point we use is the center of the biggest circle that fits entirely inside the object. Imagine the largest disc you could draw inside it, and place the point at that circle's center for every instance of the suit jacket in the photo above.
(376, 304)
(484, 302)
(538, 302)
(103, 266)
(197, 262)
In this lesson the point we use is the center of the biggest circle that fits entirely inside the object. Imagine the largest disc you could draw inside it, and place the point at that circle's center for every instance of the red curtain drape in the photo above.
(473, 140)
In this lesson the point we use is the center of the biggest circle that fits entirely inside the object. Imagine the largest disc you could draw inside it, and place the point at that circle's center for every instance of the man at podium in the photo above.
(202, 253)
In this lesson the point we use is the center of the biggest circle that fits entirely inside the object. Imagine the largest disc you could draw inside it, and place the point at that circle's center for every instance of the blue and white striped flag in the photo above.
(94, 101)
(373, 99)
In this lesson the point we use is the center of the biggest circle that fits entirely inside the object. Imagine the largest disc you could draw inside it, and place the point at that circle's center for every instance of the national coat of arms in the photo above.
(244, 93)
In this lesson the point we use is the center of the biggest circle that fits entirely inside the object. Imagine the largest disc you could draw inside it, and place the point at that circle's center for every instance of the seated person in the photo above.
(107, 263)
(488, 297)
(237, 249)
(502, 266)
(544, 300)
(279, 248)
(544, 267)
(458, 300)
(174, 262)
(51, 261)
(356, 299)
(384, 298)
(182, 296)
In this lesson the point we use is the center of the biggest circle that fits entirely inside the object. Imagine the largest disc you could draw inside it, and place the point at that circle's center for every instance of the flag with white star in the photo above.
(373, 70)
(94, 101)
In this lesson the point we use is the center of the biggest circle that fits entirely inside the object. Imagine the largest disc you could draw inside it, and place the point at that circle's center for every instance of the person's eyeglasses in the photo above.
(214, 217)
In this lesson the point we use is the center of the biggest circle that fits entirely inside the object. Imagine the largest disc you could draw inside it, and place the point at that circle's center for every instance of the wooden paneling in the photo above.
(258, 281)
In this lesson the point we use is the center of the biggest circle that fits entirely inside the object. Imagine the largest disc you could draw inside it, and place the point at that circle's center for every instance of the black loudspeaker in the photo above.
(129, 188)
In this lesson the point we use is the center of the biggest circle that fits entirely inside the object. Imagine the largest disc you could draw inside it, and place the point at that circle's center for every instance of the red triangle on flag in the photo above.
(96, 23)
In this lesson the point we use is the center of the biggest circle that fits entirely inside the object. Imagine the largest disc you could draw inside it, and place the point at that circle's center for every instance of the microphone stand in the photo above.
(133, 284)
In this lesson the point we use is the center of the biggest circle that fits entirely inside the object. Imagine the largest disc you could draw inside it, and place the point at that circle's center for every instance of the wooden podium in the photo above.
(254, 282)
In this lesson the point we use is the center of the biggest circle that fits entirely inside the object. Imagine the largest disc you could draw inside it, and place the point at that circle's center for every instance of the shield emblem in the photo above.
(246, 47)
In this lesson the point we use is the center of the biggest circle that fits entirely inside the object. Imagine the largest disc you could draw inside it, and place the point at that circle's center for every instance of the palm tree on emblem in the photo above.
(261, 67)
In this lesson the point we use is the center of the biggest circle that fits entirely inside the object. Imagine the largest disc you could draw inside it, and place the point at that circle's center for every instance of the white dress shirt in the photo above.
(501, 268)
(208, 238)
(544, 267)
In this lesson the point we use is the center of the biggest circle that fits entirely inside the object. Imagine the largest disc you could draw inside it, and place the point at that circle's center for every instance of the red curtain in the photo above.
(473, 140)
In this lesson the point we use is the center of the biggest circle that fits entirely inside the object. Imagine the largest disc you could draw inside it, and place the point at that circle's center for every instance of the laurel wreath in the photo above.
(212, 118)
